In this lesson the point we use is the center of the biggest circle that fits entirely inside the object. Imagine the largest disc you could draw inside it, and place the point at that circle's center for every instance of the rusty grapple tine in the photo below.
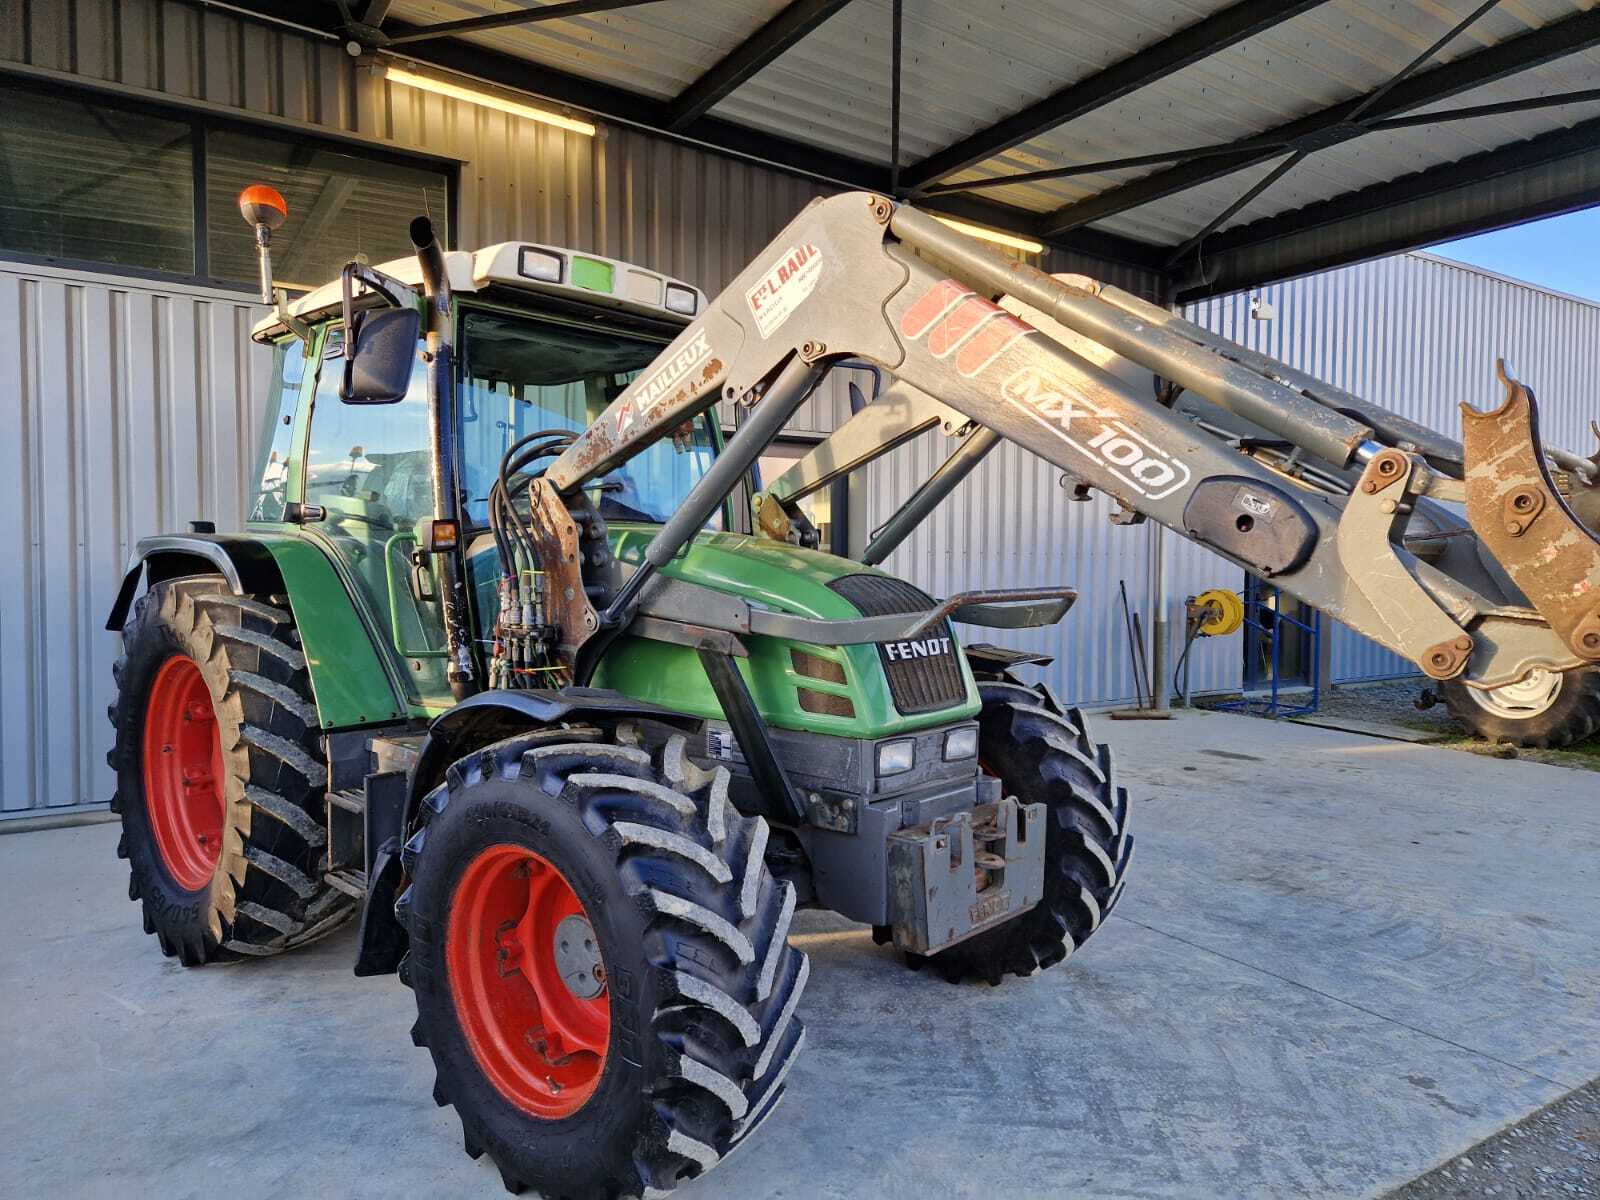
(1513, 505)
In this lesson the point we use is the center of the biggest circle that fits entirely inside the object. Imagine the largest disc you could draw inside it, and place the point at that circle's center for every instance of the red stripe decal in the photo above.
(935, 302)
(950, 332)
(990, 342)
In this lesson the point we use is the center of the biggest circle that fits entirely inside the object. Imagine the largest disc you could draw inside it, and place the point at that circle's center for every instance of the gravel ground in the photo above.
(1394, 701)
(1551, 1155)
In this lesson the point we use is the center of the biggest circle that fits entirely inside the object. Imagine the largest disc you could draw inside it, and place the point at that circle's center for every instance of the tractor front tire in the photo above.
(1546, 711)
(220, 775)
(600, 961)
(1042, 753)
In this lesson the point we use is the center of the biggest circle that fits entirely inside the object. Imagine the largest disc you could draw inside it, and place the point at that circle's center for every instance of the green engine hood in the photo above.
(787, 579)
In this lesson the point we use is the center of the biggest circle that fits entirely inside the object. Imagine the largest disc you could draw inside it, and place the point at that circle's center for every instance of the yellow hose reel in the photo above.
(1221, 612)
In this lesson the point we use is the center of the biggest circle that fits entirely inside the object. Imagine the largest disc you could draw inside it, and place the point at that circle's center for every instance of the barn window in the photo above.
(92, 180)
(89, 182)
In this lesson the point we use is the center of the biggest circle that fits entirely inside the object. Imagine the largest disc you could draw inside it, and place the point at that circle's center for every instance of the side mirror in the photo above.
(380, 350)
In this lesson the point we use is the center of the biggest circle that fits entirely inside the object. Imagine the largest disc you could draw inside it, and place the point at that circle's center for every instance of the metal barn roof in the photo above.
(1306, 110)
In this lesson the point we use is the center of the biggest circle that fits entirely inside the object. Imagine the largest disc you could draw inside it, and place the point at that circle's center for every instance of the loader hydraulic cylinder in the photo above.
(788, 392)
(1289, 414)
(931, 494)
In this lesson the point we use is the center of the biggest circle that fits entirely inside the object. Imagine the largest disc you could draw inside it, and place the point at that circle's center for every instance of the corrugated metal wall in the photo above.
(132, 410)
(138, 402)
(1420, 334)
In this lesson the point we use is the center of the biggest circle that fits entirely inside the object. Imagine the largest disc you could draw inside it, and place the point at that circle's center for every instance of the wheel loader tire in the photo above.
(600, 961)
(1042, 753)
(1545, 712)
(220, 775)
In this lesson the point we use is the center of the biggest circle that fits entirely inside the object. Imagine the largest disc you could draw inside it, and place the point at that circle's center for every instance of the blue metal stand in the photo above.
(1262, 612)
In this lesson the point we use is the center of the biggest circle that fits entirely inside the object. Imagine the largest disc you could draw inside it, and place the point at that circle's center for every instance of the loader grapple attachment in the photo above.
(1514, 506)
(962, 874)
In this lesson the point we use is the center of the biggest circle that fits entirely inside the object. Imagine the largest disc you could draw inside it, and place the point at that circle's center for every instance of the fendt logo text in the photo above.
(921, 648)
(956, 320)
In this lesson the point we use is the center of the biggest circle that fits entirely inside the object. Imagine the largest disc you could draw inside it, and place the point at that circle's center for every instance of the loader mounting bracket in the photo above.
(1513, 505)
(1373, 521)
(562, 546)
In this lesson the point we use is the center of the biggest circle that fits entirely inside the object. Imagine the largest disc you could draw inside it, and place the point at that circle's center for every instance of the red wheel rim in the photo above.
(521, 956)
(183, 773)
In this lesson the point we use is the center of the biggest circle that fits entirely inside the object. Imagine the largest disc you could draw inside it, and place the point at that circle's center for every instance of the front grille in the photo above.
(922, 681)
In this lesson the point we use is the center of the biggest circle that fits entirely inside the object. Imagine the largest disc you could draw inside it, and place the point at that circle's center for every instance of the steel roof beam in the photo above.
(749, 56)
(1333, 125)
(1557, 146)
(1189, 45)
(1499, 108)
(520, 16)
(1370, 101)
(1161, 158)
(625, 108)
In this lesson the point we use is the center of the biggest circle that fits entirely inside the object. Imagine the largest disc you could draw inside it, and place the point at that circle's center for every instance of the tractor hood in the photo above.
(860, 691)
(763, 572)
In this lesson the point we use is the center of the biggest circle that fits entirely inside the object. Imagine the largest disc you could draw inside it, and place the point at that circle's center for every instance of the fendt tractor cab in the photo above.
(489, 666)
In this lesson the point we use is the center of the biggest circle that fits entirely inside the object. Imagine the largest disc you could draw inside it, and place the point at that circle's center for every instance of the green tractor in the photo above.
(488, 667)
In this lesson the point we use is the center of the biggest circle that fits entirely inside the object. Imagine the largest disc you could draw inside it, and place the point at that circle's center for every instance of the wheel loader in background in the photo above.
(488, 667)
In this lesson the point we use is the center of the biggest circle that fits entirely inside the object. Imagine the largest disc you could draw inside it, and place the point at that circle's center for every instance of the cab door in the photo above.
(368, 467)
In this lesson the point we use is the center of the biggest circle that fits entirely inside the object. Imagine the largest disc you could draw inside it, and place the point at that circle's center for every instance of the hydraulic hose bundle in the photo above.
(523, 638)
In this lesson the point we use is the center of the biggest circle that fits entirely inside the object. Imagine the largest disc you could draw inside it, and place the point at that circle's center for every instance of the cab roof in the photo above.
(532, 269)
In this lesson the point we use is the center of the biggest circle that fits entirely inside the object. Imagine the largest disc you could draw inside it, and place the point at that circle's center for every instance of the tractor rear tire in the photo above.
(220, 775)
(643, 1064)
(1546, 712)
(1042, 753)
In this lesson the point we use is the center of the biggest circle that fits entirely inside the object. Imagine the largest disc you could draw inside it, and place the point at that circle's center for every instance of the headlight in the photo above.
(961, 743)
(895, 758)
(541, 264)
(681, 299)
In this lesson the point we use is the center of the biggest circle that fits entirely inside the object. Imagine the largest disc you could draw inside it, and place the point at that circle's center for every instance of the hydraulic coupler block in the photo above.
(965, 873)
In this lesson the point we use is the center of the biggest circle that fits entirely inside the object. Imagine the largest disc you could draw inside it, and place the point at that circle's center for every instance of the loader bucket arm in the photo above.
(850, 278)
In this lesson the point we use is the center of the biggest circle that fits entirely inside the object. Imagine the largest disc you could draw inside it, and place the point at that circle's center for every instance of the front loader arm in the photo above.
(847, 279)
(817, 292)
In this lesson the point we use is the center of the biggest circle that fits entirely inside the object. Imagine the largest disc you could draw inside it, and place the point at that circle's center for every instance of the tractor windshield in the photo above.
(520, 375)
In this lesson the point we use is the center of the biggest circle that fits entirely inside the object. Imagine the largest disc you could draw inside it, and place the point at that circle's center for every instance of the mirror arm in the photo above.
(390, 288)
(387, 286)
(280, 310)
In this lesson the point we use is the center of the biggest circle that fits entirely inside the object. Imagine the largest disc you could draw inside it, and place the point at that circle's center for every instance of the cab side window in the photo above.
(369, 468)
(272, 479)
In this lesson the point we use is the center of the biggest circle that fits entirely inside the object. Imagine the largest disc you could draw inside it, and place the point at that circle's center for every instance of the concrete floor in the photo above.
(1340, 961)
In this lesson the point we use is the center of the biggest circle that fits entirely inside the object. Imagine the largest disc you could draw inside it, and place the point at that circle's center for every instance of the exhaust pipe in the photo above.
(435, 278)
